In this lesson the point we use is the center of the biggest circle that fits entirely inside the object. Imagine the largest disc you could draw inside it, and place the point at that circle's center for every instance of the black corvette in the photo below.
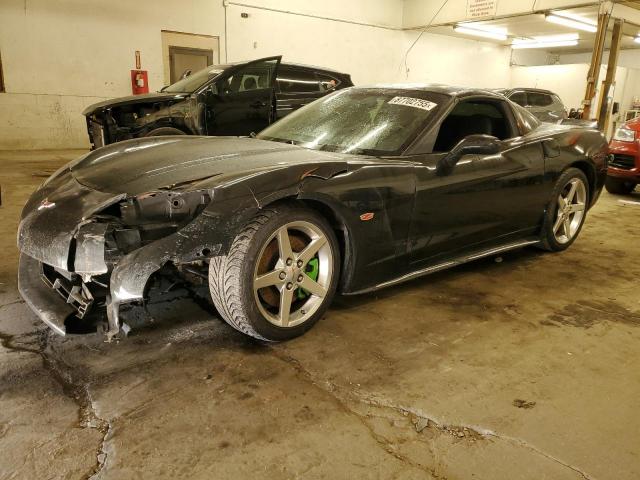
(359, 190)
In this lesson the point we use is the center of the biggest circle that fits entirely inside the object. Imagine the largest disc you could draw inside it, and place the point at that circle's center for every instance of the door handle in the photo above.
(258, 104)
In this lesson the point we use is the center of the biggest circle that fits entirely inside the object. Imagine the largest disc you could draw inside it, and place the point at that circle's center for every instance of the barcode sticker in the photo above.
(413, 102)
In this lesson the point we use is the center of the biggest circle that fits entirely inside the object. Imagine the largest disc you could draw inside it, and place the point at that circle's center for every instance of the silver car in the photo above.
(546, 106)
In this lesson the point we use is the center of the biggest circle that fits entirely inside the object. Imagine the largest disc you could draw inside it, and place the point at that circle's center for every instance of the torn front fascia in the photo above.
(210, 234)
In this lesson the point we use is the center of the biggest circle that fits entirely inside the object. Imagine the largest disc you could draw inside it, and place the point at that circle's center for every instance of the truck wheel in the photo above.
(280, 274)
(618, 186)
(158, 132)
(566, 211)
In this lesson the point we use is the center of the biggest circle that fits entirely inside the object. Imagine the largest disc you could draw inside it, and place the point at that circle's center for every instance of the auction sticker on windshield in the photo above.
(413, 102)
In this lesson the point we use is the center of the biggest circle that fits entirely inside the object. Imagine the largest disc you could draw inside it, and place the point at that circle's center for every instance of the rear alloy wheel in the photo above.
(279, 276)
(618, 186)
(567, 211)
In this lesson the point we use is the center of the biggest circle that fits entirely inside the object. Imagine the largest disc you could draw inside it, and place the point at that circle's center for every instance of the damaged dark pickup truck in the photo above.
(233, 99)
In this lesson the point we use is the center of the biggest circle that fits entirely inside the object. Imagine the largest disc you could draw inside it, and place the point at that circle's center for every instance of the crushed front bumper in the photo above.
(45, 302)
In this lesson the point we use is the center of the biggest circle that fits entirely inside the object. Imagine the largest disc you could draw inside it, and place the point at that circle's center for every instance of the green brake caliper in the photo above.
(312, 269)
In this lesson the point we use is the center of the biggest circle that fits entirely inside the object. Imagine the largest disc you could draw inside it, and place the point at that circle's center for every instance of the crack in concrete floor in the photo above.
(421, 420)
(386, 445)
(73, 385)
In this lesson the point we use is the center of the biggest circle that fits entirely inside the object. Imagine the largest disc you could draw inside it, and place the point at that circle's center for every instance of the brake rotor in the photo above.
(271, 295)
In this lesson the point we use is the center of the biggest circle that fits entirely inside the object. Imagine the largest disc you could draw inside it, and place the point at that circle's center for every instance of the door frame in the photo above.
(173, 49)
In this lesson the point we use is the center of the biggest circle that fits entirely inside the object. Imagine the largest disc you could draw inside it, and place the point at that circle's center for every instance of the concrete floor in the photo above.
(524, 369)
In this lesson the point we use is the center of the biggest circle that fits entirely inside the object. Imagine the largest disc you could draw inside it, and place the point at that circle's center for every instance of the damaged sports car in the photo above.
(359, 190)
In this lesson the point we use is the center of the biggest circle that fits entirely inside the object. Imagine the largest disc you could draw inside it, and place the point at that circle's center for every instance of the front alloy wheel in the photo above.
(279, 275)
(292, 274)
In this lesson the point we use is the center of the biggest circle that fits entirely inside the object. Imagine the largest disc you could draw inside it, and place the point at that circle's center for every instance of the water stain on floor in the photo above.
(586, 314)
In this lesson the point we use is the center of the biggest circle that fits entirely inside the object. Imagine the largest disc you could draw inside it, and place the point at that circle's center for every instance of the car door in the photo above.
(295, 88)
(242, 101)
(482, 200)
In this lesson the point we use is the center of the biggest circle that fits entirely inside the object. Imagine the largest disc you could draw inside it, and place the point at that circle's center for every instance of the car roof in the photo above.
(524, 89)
(451, 90)
(311, 67)
(285, 64)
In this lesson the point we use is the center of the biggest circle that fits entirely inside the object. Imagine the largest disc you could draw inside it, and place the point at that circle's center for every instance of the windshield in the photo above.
(195, 80)
(369, 121)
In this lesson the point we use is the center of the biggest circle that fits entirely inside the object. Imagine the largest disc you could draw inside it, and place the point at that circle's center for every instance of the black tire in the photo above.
(617, 186)
(231, 277)
(162, 131)
(548, 239)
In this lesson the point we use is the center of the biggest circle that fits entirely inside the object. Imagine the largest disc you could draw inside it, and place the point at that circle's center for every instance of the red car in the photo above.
(623, 173)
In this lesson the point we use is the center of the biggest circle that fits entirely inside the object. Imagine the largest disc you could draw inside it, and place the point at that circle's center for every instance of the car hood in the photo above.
(132, 99)
(142, 165)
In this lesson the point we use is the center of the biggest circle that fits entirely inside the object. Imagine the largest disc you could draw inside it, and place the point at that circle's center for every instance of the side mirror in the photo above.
(469, 145)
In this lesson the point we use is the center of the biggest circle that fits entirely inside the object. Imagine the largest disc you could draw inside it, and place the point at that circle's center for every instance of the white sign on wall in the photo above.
(481, 8)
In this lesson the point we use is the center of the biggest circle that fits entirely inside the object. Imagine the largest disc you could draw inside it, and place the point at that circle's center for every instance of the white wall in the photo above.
(627, 58)
(452, 60)
(368, 53)
(375, 12)
(422, 12)
(59, 57)
(62, 56)
(568, 81)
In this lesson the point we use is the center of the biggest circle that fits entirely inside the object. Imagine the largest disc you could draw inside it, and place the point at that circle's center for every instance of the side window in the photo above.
(473, 117)
(520, 98)
(297, 81)
(327, 82)
(255, 76)
(539, 99)
(557, 101)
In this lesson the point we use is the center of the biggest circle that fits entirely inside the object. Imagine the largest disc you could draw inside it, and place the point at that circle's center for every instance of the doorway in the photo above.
(185, 61)
(187, 51)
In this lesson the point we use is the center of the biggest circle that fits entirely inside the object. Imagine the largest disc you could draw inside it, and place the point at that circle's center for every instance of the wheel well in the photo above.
(589, 170)
(172, 127)
(341, 231)
(339, 228)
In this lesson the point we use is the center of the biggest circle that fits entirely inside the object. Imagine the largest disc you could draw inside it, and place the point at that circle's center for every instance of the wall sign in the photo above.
(481, 8)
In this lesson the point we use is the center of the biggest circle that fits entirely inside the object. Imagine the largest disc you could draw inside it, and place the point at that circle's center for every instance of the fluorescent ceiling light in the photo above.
(566, 43)
(548, 38)
(549, 41)
(573, 21)
(482, 31)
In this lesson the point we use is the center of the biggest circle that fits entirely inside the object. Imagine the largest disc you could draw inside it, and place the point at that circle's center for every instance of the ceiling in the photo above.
(534, 24)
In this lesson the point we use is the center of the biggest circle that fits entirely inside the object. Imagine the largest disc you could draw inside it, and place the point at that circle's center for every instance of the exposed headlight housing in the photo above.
(624, 135)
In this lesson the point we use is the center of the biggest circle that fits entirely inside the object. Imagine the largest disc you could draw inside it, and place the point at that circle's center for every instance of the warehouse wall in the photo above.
(59, 57)
(569, 81)
(62, 56)
(366, 51)
(452, 60)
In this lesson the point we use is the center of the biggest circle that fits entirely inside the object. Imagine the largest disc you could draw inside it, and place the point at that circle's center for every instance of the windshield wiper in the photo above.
(282, 140)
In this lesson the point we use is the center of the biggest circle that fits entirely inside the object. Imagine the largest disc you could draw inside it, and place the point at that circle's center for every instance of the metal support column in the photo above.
(606, 98)
(596, 61)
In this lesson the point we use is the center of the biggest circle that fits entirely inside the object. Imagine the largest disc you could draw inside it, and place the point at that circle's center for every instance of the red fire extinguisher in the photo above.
(139, 78)
(139, 82)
